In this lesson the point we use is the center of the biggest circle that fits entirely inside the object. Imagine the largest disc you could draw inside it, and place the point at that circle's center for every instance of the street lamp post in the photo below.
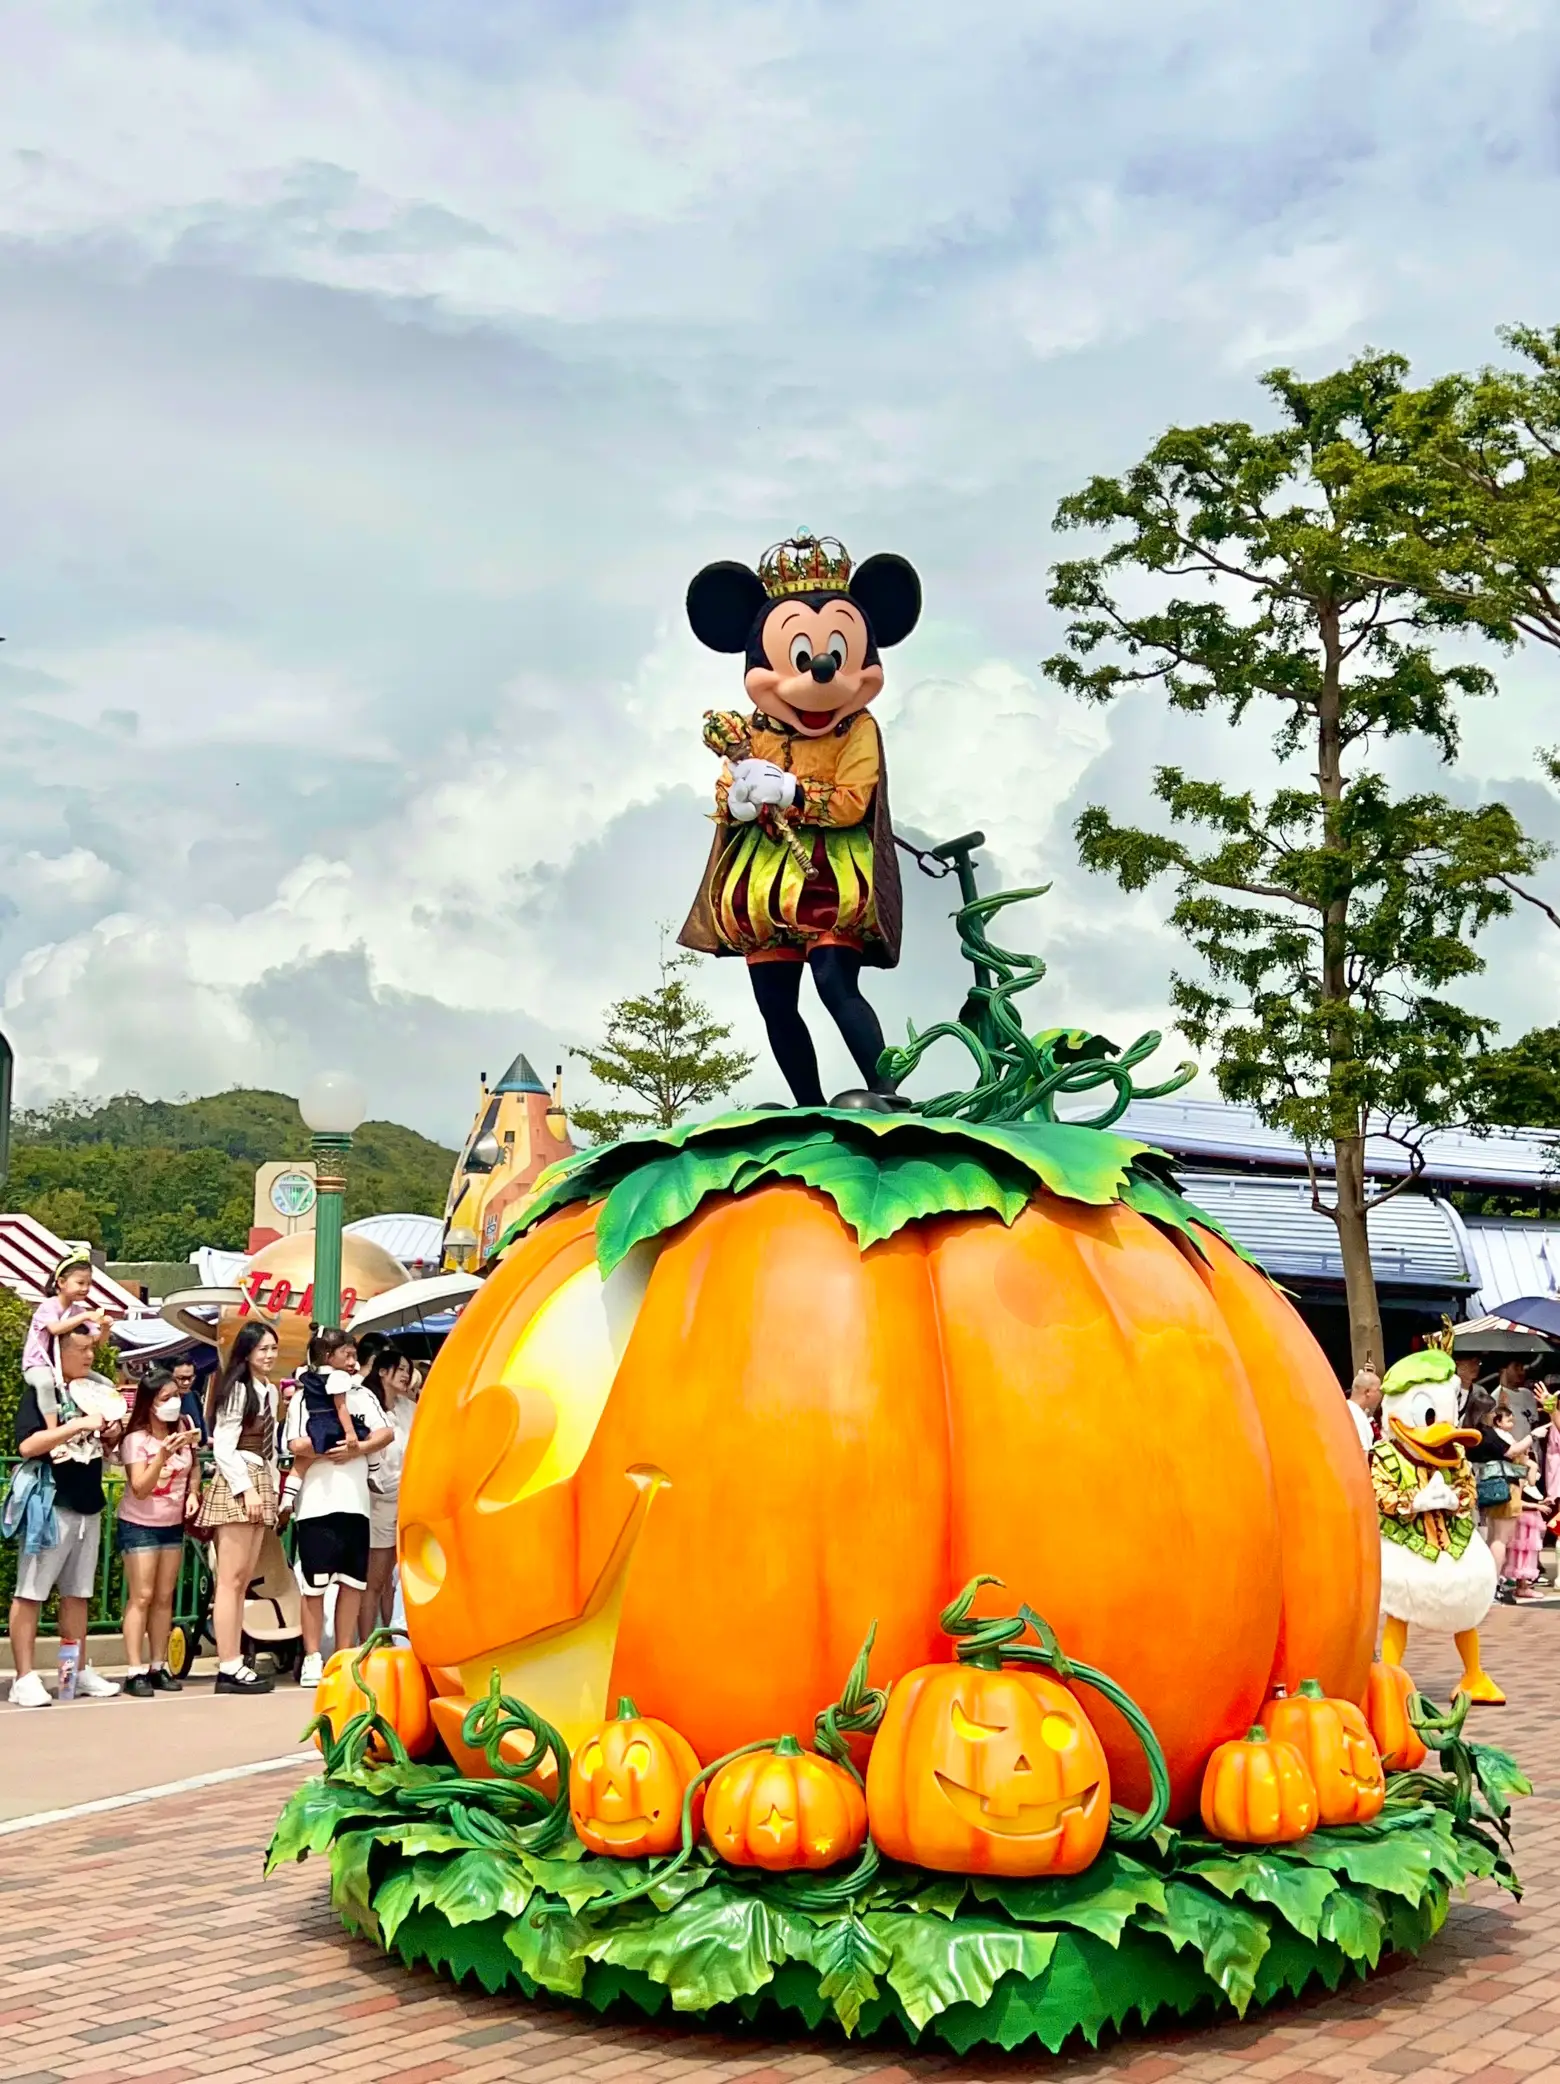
(332, 1107)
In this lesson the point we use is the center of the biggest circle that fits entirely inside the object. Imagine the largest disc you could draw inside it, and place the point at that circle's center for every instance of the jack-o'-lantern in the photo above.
(745, 1430)
(782, 1808)
(1388, 1691)
(987, 1772)
(390, 1674)
(1339, 1751)
(626, 1785)
(1258, 1791)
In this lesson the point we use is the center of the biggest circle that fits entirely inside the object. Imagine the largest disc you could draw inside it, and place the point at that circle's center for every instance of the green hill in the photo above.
(152, 1179)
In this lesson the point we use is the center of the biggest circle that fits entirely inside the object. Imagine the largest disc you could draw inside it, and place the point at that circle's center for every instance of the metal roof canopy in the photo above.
(1217, 1131)
(1416, 1240)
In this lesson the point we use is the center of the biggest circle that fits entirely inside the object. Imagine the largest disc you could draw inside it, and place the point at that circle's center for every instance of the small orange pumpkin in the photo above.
(988, 1772)
(784, 1807)
(1388, 1691)
(1339, 1751)
(627, 1782)
(1258, 1791)
(400, 1689)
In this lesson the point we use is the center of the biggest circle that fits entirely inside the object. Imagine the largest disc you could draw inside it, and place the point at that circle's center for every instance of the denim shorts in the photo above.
(133, 1537)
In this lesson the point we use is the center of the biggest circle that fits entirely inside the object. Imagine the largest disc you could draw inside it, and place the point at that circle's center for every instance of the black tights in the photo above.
(777, 986)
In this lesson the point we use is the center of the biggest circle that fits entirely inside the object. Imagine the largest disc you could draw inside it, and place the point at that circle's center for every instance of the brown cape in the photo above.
(882, 948)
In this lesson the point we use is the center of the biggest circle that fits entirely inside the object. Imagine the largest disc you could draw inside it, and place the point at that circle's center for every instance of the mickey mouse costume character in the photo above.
(802, 868)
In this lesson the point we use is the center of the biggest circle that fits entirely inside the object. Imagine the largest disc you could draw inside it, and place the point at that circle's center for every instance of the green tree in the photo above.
(1331, 917)
(665, 1049)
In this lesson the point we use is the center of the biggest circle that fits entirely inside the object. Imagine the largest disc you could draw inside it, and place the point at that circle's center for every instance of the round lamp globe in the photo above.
(332, 1103)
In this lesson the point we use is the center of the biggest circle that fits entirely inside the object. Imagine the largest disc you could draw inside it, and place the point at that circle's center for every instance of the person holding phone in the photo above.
(161, 1495)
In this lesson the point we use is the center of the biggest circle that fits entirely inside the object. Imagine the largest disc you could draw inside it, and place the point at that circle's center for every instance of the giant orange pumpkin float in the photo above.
(733, 1425)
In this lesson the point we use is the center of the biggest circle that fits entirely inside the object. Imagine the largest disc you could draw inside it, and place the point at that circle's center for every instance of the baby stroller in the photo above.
(271, 1611)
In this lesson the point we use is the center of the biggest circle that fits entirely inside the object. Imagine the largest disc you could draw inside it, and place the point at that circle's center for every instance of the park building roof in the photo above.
(1217, 1133)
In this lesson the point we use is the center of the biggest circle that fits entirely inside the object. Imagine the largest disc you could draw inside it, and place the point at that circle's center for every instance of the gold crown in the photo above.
(1444, 1340)
(805, 563)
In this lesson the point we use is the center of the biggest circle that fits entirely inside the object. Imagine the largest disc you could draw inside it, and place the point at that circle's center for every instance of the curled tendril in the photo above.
(349, 1750)
(991, 1641)
(487, 1723)
(1020, 1076)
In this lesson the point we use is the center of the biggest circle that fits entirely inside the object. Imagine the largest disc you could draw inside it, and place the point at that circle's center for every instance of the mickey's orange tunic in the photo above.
(822, 873)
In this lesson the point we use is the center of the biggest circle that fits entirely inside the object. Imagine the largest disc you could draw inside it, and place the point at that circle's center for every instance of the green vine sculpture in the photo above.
(998, 1640)
(1020, 1076)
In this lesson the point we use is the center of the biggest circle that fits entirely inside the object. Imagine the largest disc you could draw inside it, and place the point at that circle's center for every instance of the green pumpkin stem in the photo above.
(1312, 1689)
(625, 1710)
(786, 1747)
(1256, 1734)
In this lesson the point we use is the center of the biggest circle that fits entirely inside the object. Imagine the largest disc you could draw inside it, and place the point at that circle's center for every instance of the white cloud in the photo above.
(375, 385)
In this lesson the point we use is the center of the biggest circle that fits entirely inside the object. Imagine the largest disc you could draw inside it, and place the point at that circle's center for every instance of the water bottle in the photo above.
(69, 1665)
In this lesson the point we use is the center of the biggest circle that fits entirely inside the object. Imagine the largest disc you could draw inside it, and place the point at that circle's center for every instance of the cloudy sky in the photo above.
(374, 374)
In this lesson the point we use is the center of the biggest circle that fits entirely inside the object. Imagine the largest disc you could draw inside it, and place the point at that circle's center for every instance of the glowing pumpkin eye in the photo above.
(973, 1732)
(1058, 1732)
(591, 1760)
(636, 1758)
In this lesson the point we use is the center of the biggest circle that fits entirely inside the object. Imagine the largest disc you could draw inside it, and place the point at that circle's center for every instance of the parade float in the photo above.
(892, 1567)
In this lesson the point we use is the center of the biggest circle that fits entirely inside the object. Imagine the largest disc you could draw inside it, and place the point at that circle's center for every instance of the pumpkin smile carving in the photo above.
(1001, 1805)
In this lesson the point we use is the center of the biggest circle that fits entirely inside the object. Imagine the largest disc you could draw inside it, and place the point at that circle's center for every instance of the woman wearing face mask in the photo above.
(393, 1380)
(161, 1494)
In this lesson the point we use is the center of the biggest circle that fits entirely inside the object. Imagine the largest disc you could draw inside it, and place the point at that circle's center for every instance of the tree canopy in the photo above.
(663, 1048)
(1333, 917)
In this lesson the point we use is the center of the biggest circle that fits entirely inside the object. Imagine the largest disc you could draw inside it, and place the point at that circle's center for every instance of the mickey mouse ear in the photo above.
(722, 602)
(888, 589)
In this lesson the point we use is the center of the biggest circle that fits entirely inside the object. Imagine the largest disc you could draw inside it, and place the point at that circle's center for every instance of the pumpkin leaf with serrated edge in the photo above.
(463, 1950)
(1400, 1862)
(1355, 1924)
(878, 1195)
(657, 1197)
(477, 1885)
(722, 1944)
(1298, 1893)
(934, 1964)
(849, 1959)
(351, 1889)
(311, 1817)
(1230, 1941)
(549, 1945)
(1102, 1900)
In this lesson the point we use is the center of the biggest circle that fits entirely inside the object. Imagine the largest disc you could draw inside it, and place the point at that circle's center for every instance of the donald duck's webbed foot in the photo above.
(1394, 1640)
(1475, 1681)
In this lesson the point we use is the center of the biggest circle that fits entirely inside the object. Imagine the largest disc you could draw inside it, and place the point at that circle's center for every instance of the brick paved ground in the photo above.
(144, 1945)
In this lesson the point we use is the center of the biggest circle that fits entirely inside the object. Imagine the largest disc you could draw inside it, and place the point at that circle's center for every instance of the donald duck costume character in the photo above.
(1436, 1571)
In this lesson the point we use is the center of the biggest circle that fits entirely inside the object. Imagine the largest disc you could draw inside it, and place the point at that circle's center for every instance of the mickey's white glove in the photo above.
(1436, 1496)
(739, 803)
(763, 784)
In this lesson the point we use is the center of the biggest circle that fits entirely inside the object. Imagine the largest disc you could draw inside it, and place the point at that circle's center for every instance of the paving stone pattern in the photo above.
(152, 1950)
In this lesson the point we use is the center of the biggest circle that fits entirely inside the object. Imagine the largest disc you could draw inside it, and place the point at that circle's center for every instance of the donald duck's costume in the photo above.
(1436, 1571)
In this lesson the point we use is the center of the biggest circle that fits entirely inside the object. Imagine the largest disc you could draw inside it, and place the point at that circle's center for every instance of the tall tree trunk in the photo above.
(1359, 1278)
(1348, 1129)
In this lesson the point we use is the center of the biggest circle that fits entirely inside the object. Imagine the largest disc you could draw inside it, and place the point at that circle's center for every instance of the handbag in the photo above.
(1494, 1485)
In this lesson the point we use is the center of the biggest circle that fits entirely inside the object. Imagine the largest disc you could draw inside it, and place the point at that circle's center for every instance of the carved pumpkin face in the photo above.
(783, 1808)
(626, 1786)
(1339, 1751)
(983, 1772)
(607, 1476)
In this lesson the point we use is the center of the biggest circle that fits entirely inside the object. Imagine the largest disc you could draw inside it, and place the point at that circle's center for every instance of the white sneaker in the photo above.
(312, 1670)
(27, 1691)
(91, 1685)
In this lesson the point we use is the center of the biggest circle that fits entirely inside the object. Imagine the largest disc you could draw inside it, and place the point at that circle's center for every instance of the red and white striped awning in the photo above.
(29, 1254)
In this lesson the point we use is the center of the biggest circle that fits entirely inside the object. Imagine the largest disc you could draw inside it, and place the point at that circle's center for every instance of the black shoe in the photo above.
(139, 1688)
(163, 1681)
(242, 1681)
(1506, 1593)
(859, 1101)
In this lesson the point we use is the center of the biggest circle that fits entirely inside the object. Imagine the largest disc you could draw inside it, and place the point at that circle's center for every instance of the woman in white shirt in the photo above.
(390, 1377)
(240, 1500)
(331, 1516)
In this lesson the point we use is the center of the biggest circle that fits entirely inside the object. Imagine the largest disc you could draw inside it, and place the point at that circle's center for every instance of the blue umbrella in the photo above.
(1533, 1312)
